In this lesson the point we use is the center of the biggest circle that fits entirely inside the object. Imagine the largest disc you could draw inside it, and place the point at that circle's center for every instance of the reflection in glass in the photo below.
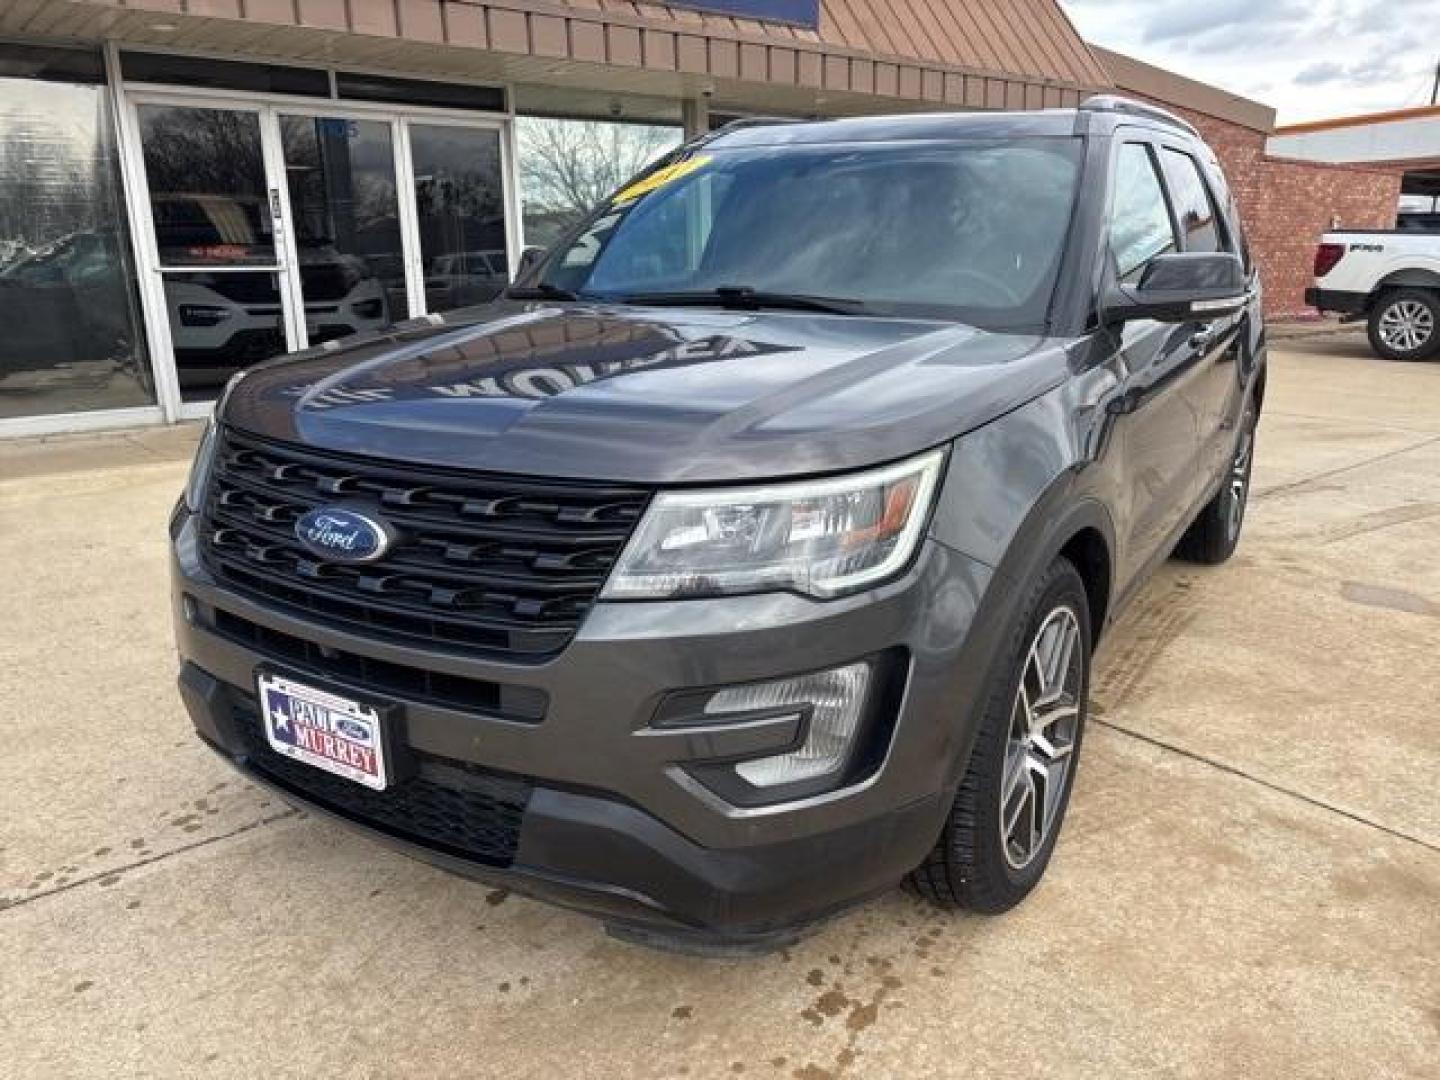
(347, 226)
(459, 196)
(568, 167)
(69, 327)
(221, 321)
(211, 208)
(207, 186)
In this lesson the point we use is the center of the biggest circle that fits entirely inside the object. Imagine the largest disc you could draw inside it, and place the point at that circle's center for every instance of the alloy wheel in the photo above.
(1407, 326)
(1039, 750)
(1238, 485)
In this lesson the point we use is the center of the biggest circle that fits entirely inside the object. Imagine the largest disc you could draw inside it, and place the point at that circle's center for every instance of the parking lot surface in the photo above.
(1248, 884)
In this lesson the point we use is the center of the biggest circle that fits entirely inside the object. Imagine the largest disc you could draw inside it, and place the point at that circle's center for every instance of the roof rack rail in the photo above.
(739, 123)
(756, 121)
(1114, 103)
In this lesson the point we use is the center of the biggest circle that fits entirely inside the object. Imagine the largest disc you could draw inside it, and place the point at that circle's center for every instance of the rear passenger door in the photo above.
(1216, 339)
(1158, 427)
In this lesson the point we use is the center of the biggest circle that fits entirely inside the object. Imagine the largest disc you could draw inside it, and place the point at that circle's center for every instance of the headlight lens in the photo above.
(200, 469)
(823, 538)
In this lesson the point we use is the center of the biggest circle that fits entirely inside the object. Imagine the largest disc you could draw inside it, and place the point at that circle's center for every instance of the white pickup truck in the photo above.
(1389, 279)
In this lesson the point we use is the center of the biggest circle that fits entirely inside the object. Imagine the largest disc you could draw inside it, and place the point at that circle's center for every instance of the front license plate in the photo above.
(324, 730)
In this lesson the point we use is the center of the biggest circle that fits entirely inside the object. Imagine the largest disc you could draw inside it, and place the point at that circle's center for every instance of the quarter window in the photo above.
(1193, 205)
(1140, 226)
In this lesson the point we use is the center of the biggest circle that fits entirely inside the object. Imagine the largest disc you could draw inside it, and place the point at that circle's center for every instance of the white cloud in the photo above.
(1309, 60)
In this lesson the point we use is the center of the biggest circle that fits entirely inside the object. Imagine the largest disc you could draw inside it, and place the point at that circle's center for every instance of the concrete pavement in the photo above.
(1248, 885)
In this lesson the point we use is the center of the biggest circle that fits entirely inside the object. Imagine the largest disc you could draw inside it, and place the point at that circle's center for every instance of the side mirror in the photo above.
(530, 258)
(1181, 287)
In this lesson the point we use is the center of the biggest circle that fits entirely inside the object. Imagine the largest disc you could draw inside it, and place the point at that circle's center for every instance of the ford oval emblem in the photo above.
(351, 729)
(338, 534)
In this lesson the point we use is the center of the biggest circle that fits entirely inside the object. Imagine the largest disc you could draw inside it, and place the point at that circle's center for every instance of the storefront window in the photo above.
(69, 324)
(460, 204)
(568, 166)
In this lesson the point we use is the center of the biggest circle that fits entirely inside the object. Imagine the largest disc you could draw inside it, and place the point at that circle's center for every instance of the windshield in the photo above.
(962, 230)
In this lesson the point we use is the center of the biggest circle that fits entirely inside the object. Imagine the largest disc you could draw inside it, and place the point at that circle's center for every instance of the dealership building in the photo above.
(191, 186)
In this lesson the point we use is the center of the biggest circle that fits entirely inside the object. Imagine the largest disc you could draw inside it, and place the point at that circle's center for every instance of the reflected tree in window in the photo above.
(568, 166)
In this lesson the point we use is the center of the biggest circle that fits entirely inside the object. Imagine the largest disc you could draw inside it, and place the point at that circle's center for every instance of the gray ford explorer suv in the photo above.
(746, 556)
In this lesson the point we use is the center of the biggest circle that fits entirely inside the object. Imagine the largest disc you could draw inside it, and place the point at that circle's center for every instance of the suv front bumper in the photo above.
(612, 821)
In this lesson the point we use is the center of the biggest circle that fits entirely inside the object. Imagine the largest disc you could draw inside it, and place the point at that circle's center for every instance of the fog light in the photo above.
(836, 701)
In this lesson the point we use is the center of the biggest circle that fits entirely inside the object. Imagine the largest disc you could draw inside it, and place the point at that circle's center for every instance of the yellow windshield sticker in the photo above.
(661, 177)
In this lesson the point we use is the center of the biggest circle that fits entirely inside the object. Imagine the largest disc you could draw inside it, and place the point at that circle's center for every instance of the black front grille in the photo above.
(447, 807)
(491, 564)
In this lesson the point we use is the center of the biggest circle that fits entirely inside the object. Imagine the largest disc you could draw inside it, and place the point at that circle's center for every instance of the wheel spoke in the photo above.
(1022, 798)
(1069, 633)
(1014, 771)
(1052, 751)
(1032, 822)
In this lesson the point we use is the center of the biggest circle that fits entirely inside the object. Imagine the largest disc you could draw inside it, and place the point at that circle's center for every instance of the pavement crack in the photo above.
(115, 871)
(1293, 485)
(1281, 789)
(1333, 419)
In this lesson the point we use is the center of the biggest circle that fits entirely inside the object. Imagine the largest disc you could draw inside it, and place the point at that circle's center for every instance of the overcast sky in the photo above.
(1310, 60)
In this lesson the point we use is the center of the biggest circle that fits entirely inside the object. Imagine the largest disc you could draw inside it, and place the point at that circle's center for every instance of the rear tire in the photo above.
(982, 862)
(1404, 324)
(1215, 532)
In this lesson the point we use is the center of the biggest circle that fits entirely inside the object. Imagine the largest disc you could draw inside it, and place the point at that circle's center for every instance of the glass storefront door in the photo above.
(348, 237)
(275, 228)
(460, 202)
(217, 241)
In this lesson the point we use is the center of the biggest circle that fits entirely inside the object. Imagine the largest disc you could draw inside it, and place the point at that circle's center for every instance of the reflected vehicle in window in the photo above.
(223, 318)
(465, 278)
(71, 297)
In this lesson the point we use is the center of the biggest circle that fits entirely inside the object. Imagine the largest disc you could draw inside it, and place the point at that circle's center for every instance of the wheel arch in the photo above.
(1089, 552)
(1077, 527)
(1412, 277)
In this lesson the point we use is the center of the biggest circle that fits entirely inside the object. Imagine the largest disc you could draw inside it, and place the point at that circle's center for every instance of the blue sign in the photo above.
(793, 12)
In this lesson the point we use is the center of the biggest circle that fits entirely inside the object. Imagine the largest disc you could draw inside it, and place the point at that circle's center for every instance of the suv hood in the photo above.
(652, 395)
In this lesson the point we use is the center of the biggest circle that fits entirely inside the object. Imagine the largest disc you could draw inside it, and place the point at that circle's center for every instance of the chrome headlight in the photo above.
(200, 468)
(822, 538)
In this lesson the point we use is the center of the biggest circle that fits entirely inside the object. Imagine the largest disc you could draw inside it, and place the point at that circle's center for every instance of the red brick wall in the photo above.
(1293, 204)
(1287, 204)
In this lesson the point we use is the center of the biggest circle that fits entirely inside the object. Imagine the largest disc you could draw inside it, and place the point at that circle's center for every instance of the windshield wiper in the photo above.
(744, 298)
(541, 291)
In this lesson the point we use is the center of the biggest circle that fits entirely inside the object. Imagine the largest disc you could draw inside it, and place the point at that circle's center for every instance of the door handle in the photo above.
(1202, 338)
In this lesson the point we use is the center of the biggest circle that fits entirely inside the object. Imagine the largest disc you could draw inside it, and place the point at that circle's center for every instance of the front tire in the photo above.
(1011, 802)
(1405, 325)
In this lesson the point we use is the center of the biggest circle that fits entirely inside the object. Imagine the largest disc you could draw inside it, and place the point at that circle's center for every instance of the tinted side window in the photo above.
(1140, 225)
(1198, 220)
(1229, 214)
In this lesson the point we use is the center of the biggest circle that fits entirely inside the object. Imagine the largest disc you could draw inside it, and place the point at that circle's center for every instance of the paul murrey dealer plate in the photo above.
(321, 729)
